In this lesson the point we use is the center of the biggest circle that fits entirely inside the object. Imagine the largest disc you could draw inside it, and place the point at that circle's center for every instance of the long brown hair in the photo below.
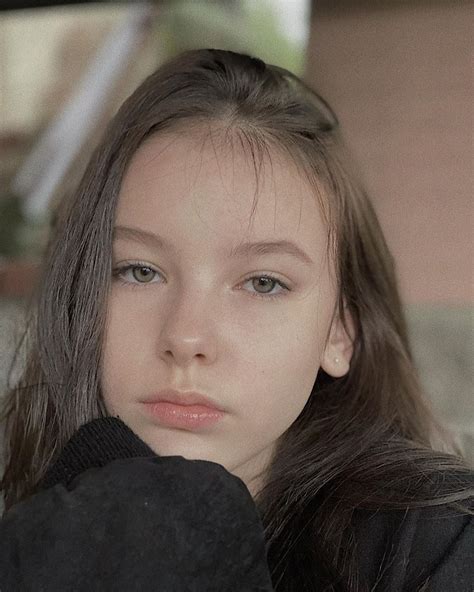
(363, 440)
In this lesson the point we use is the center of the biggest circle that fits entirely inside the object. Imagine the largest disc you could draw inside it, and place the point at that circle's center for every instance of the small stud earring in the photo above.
(336, 360)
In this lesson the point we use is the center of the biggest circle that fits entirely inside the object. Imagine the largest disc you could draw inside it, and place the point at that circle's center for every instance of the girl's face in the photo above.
(195, 316)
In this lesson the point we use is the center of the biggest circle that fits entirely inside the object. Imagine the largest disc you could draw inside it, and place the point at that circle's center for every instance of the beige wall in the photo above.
(399, 77)
(42, 55)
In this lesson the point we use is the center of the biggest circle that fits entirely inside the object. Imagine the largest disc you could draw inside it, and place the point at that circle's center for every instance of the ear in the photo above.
(339, 347)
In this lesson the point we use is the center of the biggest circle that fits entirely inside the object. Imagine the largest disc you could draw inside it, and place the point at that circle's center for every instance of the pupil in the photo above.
(143, 273)
(265, 282)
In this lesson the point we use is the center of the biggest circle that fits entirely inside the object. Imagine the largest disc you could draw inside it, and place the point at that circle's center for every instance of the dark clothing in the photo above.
(114, 516)
(132, 524)
(401, 550)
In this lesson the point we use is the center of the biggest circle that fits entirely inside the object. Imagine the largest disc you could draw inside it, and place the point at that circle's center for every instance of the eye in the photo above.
(135, 273)
(267, 283)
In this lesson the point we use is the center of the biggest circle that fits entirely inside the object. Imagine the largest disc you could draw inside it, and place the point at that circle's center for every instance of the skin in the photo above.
(197, 320)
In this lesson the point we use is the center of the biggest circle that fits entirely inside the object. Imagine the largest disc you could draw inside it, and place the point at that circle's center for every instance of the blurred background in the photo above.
(397, 72)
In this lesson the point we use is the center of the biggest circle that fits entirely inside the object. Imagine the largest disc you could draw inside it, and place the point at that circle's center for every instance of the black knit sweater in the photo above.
(113, 516)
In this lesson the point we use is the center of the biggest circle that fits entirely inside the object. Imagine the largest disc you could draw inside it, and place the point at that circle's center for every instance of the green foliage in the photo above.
(269, 42)
(20, 237)
(249, 27)
(11, 220)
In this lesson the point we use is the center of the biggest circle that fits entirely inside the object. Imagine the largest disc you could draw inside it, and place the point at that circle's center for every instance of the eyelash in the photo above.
(119, 271)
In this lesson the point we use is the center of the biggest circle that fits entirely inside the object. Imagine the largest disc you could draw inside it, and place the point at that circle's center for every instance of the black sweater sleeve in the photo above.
(427, 549)
(112, 515)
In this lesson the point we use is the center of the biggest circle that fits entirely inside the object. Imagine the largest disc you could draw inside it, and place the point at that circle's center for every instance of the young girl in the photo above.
(220, 284)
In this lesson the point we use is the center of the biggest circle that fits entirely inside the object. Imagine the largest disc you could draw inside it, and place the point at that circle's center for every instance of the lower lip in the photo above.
(184, 416)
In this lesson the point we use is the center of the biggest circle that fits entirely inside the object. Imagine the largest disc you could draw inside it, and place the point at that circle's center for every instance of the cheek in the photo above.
(294, 341)
(281, 368)
(123, 346)
(299, 365)
(109, 365)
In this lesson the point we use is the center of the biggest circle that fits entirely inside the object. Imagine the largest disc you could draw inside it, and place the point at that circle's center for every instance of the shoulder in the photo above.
(406, 549)
(184, 523)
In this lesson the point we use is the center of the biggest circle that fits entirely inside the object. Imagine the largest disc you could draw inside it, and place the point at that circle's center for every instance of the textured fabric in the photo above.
(95, 444)
(136, 524)
(428, 549)
(114, 516)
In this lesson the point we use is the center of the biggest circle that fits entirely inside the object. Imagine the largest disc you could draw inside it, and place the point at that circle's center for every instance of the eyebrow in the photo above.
(247, 249)
(149, 239)
(282, 247)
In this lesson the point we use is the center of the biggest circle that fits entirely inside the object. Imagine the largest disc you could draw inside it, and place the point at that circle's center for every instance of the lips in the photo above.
(186, 399)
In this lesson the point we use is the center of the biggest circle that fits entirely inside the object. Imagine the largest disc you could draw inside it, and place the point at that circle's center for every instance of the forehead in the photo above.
(187, 183)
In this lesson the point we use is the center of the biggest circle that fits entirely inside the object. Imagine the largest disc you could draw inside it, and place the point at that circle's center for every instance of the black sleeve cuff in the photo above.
(95, 444)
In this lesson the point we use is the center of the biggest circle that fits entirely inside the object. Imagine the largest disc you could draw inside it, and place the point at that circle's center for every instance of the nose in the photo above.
(188, 332)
